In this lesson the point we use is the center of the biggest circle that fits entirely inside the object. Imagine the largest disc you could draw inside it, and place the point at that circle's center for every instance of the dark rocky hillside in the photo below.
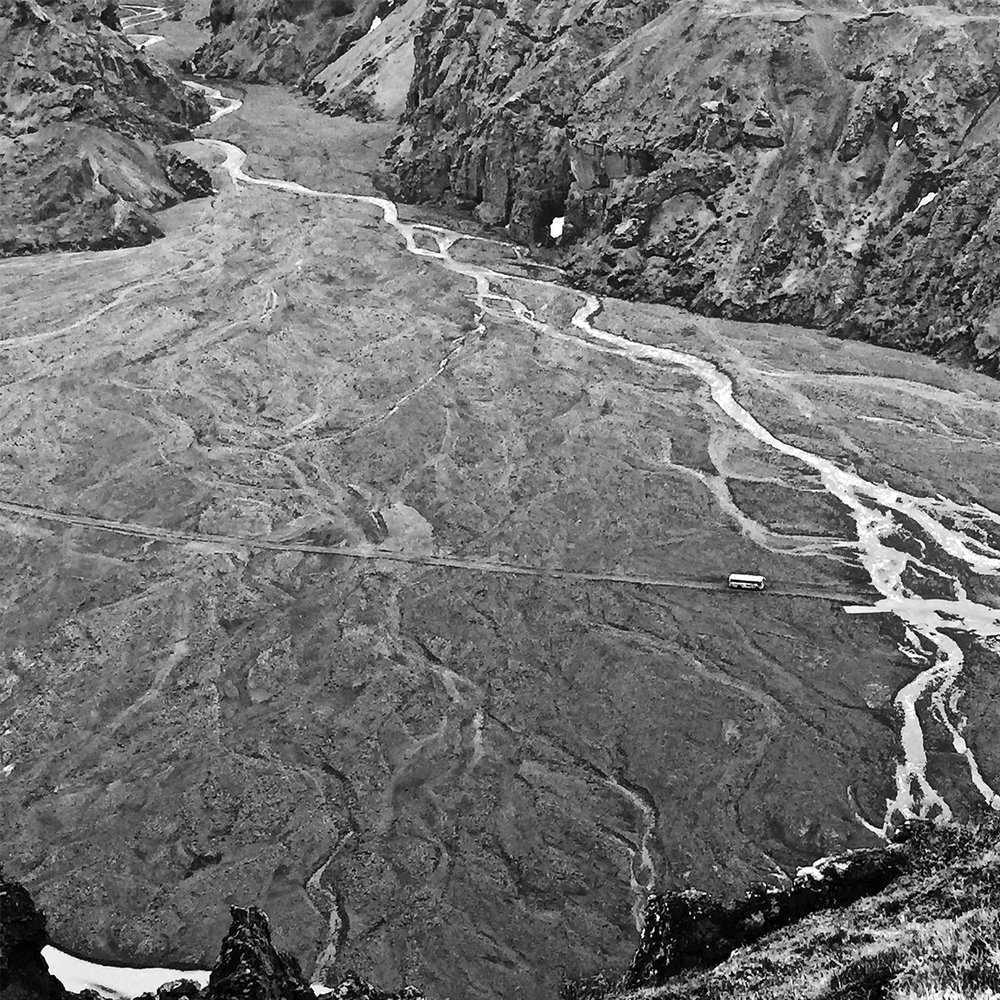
(754, 161)
(283, 40)
(84, 122)
(917, 917)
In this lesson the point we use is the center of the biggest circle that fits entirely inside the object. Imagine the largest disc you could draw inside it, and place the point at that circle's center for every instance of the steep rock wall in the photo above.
(283, 40)
(84, 122)
(755, 161)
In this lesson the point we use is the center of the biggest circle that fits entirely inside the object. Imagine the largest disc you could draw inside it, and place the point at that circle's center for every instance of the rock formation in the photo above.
(760, 162)
(265, 40)
(691, 928)
(85, 117)
(250, 968)
(846, 928)
(23, 972)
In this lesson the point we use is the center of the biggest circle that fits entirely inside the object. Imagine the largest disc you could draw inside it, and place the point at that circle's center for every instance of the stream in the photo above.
(878, 510)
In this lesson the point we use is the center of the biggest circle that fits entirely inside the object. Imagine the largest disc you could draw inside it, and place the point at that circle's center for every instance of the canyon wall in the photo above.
(84, 121)
(282, 40)
(827, 164)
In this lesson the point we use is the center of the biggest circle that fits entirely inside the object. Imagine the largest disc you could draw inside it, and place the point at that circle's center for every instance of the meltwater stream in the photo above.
(963, 531)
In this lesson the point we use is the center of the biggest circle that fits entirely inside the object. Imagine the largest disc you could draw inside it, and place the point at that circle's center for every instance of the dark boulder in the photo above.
(250, 967)
(189, 178)
(24, 974)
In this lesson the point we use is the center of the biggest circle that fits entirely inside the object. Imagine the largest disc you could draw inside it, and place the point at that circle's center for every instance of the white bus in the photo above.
(746, 581)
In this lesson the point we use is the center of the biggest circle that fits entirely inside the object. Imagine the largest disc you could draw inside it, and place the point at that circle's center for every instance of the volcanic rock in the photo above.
(84, 117)
(23, 972)
(249, 966)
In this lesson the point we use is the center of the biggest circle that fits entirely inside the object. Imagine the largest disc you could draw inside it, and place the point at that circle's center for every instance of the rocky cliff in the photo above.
(283, 40)
(820, 162)
(916, 917)
(825, 163)
(84, 122)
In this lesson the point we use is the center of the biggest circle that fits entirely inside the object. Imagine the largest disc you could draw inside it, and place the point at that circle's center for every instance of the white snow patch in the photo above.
(927, 199)
(116, 983)
(556, 229)
(895, 127)
(76, 974)
(375, 24)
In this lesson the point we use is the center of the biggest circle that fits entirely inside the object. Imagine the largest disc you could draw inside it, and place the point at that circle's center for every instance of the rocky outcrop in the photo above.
(758, 162)
(85, 116)
(249, 967)
(690, 928)
(23, 972)
(867, 923)
(277, 40)
(492, 101)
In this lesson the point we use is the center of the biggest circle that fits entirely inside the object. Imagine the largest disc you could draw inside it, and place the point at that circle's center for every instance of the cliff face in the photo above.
(745, 160)
(283, 40)
(917, 917)
(84, 119)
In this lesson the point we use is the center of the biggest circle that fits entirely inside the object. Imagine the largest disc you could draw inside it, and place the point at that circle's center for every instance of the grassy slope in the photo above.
(933, 933)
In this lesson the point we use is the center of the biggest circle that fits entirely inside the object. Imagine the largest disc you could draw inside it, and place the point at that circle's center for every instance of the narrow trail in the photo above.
(966, 532)
(373, 554)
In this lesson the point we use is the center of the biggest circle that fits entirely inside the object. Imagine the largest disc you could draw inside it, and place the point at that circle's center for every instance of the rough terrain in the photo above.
(85, 119)
(327, 586)
(912, 919)
(924, 926)
(274, 40)
(829, 163)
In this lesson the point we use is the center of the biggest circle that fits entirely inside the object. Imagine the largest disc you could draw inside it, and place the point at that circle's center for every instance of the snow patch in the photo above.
(76, 974)
(375, 24)
(117, 983)
(556, 229)
(927, 199)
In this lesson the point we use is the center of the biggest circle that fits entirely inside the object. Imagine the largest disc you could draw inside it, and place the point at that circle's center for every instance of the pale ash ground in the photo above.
(792, 403)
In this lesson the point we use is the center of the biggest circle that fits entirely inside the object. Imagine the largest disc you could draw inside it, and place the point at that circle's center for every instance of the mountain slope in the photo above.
(754, 161)
(825, 163)
(282, 40)
(84, 120)
(922, 921)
